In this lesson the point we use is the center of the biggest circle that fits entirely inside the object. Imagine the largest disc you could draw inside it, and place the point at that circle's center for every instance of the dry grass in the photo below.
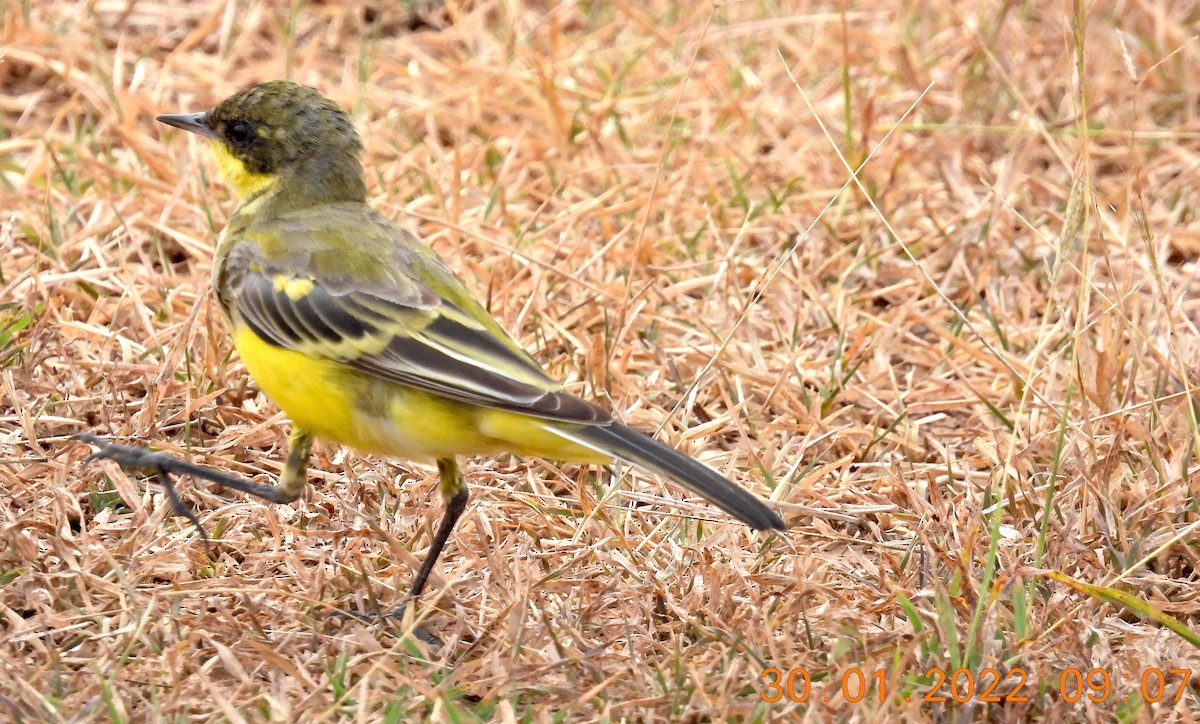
(972, 367)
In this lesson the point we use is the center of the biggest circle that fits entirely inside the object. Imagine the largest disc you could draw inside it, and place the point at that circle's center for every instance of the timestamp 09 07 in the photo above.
(987, 686)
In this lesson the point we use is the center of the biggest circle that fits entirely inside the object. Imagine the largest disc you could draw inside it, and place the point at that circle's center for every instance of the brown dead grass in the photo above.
(1001, 313)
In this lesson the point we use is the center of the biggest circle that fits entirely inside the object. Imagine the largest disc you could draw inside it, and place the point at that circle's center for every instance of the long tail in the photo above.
(629, 445)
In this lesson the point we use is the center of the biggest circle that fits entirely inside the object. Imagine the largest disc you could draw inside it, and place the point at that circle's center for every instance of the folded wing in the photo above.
(423, 341)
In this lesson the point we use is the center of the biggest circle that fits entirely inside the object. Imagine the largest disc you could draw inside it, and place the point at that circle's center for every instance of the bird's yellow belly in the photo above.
(337, 402)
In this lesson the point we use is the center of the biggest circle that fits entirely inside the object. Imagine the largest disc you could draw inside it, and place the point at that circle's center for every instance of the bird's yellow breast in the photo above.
(316, 393)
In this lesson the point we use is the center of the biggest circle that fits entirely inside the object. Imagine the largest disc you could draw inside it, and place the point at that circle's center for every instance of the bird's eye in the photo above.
(240, 134)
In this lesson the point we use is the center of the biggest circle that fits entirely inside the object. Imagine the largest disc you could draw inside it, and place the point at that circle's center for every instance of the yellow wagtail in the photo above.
(364, 336)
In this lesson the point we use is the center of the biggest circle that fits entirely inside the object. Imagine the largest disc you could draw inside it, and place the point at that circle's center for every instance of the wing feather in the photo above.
(437, 347)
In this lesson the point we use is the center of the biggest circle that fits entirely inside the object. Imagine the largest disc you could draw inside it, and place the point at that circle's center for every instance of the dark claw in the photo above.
(177, 505)
(142, 459)
(396, 614)
(124, 455)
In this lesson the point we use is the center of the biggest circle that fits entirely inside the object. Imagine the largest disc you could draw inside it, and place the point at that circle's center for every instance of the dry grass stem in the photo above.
(920, 273)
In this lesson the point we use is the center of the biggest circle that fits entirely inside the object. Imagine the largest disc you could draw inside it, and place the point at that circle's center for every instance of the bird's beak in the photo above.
(194, 122)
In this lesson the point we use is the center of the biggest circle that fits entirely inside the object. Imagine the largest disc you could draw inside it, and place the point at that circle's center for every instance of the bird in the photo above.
(365, 337)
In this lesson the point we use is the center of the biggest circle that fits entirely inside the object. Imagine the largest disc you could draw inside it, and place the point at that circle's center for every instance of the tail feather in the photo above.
(644, 451)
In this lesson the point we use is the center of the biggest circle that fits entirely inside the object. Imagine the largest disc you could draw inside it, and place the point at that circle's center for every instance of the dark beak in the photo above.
(194, 122)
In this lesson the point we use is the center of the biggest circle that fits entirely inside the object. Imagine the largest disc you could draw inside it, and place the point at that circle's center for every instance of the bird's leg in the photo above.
(295, 468)
(454, 492)
(291, 483)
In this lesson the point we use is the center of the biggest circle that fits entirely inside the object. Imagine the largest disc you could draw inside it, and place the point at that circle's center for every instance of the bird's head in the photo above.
(281, 131)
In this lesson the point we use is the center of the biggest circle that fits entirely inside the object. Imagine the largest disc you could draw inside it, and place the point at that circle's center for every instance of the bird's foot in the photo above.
(159, 464)
(396, 615)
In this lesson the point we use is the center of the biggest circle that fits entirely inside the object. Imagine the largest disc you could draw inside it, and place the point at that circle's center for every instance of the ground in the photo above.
(962, 374)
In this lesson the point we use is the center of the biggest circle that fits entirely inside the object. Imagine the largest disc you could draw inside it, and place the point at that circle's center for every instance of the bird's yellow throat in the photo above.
(244, 182)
